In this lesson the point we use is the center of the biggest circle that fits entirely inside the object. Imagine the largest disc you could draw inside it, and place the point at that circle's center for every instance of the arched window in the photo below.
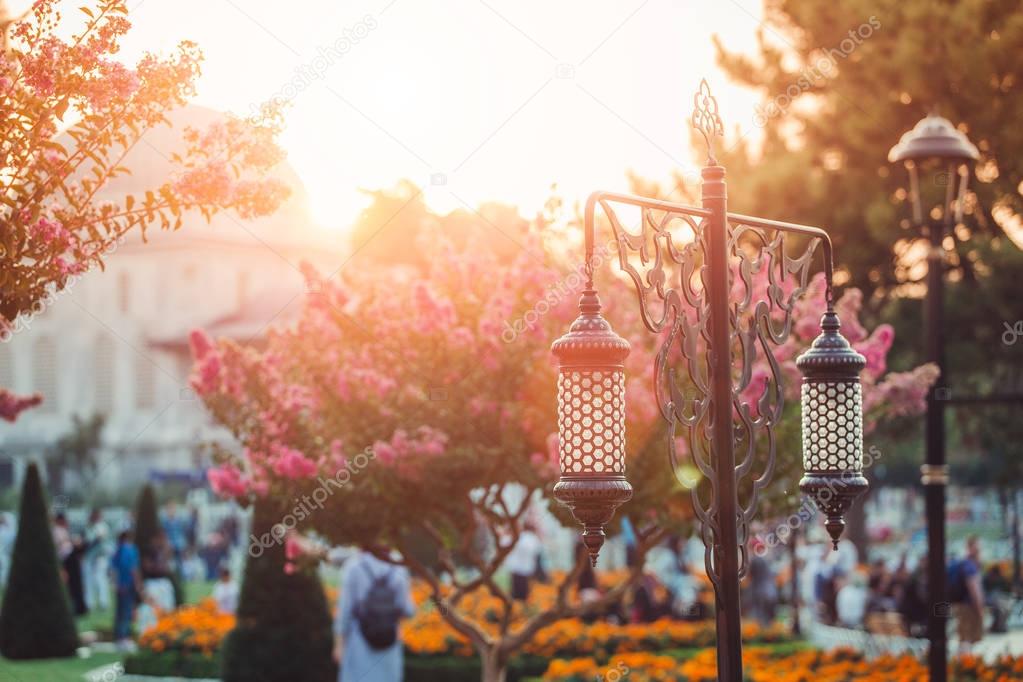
(103, 382)
(145, 382)
(45, 379)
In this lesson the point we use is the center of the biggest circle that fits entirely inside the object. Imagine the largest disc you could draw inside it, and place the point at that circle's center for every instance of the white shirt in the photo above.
(226, 596)
(523, 557)
(851, 603)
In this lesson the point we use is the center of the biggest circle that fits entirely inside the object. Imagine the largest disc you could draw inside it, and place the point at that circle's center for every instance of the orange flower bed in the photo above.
(763, 665)
(198, 628)
(427, 633)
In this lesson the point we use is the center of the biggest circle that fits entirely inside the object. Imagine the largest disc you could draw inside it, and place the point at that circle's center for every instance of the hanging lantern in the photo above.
(832, 419)
(591, 421)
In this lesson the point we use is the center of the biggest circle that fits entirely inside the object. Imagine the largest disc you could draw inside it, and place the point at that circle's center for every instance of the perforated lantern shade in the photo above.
(832, 422)
(591, 421)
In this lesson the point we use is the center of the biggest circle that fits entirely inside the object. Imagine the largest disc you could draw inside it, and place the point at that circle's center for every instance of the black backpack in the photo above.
(379, 612)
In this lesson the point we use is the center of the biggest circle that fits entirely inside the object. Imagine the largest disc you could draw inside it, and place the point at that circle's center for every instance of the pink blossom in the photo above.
(385, 452)
(875, 349)
(342, 385)
(12, 405)
(200, 343)
(848, 308)
(433, 311)
(292, 547)
(290, 463)
(337, 458)
(206, 377)
(209, 184)
(479, 405)
(52, 233)
(227, 481)
(902, 394)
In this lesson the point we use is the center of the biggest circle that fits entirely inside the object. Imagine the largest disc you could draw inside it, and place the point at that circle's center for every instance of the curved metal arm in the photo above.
(589, 226)
(632, 200)
(807, 230)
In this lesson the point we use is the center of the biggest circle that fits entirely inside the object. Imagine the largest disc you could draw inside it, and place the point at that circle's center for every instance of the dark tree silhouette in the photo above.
(278, 612)
(36, 619)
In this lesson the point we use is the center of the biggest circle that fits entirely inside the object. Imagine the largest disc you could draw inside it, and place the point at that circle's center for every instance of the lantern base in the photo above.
(834, 494)
(593, 501)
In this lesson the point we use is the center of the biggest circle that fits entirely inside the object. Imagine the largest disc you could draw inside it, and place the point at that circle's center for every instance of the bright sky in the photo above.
(474, 100)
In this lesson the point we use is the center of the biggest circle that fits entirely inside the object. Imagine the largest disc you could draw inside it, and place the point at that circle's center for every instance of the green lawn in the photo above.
(74, 669)
(54, 669)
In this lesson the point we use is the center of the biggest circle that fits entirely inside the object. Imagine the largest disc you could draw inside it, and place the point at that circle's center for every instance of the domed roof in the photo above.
(150, 164)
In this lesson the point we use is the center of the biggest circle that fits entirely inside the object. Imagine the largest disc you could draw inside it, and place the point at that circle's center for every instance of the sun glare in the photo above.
(573, 95)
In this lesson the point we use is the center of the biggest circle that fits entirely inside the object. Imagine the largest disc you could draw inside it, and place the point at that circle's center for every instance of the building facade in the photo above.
(114, 343)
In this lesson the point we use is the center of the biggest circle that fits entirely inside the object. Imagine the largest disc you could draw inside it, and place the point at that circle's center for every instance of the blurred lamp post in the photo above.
(936, 155)
(700, 273)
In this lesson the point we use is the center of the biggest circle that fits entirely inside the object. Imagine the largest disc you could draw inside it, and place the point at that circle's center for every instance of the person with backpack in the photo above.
(967, 595)
(375, 596)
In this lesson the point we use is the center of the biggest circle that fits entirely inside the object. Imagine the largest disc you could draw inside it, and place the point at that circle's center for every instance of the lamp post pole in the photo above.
(934, 474)
(726, 547)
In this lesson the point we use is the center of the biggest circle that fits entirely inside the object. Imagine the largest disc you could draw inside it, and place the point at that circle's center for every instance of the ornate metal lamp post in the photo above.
(699, 293)
(936, 147)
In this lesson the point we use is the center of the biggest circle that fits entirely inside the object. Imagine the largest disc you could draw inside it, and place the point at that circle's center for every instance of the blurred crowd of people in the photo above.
(892, 598)
(103, 567)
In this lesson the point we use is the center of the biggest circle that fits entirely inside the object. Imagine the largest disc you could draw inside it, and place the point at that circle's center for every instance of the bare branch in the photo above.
(479, 638)
(562, 609)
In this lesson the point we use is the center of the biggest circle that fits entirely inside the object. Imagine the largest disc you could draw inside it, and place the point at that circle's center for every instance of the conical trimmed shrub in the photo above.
(147, 525)
(283, 631)
(35, 619)
(147, 519)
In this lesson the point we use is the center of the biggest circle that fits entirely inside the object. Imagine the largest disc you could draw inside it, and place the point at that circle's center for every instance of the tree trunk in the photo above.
(495, 668)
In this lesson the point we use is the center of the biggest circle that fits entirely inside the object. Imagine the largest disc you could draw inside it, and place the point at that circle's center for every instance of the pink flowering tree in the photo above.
(414, 405)
(72, 113)
(412, 408)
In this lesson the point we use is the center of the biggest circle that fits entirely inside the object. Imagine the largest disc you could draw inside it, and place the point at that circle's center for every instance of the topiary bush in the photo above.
(147, 525)
(284, 628)
(35, 619)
